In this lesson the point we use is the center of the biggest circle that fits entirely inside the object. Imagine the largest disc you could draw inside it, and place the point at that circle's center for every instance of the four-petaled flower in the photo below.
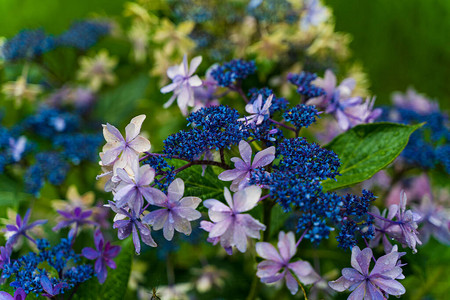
(122, 151)
(104, 254)
(76, 217)
(405, 229)
(275, 261)
(379, 283)
(244, 167)
(19, 294)
(258, 111)
(13, 232)
(230, 226)
(177, 210)
(183, 83)
(131, 226)
(132, 189)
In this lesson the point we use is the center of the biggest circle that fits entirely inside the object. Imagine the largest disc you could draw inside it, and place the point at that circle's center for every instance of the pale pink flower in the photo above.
(230, 226)
(269, 270)
(183, 82)
(244, 167)
(177, 212)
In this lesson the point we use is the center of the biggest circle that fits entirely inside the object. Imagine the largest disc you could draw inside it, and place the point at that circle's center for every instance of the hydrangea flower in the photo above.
(13, 232)
(133, 225)
(412, 100)
(405, 228)
(244, 167)
(276, 260)
(379, 283)
(19, 294)
(434, 220)
(17, 147)
(183, 83)
(97, 70)
(314, 14)
(177, 212)
(124, 151)
(133, 188)
(104, 254)
(258, 111)
(231, 226)
(76, 217)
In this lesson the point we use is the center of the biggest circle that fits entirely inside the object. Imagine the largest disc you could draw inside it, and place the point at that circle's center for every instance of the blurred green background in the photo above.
(401, 43)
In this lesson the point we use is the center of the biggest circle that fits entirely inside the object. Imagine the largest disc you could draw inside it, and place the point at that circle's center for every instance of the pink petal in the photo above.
(146, 175)
(264, 157)
(230, 174)
(175, 190)
(169, 88)
(195, 62)
(191, 202)
(268, 251)
(240, 238)
(341, 284)
(268, 268)
(391, 287)
(246, 199)
(156, 218)
(195, 81)
(168, 231)
(220, 228)
(140, 144)
(187, 213)
(246, 151)
(359, 292)
(286, 245)
(291, 283)
(304, 271)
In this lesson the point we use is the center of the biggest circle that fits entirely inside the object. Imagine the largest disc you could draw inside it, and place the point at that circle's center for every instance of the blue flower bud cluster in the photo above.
(161, 168)
(301, 115)
(49, 122)
(84, 34)
(295, 183)
(27, 270)
(215, 127)
(228, 74)
(277, 103)
(78, 147)
(49, 166)
(426, 146)
(273, 11)
(303, 81)
(30, 44)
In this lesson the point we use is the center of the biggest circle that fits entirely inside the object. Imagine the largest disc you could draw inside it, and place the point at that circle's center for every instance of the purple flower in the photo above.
(405, 228)
(363, 113)
(258, 111)
(132, 226)
(183, 82)
(50, 290)
(123, 151)
(244, 167)
(177, 211)
(5, 254)
(19, 294)
(76, 217)
(103, 255)
(276, 260)
(205, 95)
(133, 188)
(381, 226)
(412, 100)
(379, 283)
(21, 228)
(230, 226)
(434, 221)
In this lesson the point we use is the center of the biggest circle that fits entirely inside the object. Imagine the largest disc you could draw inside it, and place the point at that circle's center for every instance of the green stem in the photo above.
(267, 211)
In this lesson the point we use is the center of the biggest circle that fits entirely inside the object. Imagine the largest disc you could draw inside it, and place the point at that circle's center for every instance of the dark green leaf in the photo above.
(366, 149)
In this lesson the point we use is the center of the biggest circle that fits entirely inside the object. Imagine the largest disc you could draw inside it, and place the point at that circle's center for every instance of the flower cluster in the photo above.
(231, 73)
(27, 271)
(29, 44)
(215, 127)
(304, 84)
(301, 115)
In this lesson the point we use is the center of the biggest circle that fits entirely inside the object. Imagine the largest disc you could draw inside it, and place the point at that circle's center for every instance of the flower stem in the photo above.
(300, 284)
(283, 125)
(301, 237)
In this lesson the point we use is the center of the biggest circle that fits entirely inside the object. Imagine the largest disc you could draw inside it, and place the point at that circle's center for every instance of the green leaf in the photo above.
(117, 105)
(116, 283)
(366, 149)
(205, 187)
